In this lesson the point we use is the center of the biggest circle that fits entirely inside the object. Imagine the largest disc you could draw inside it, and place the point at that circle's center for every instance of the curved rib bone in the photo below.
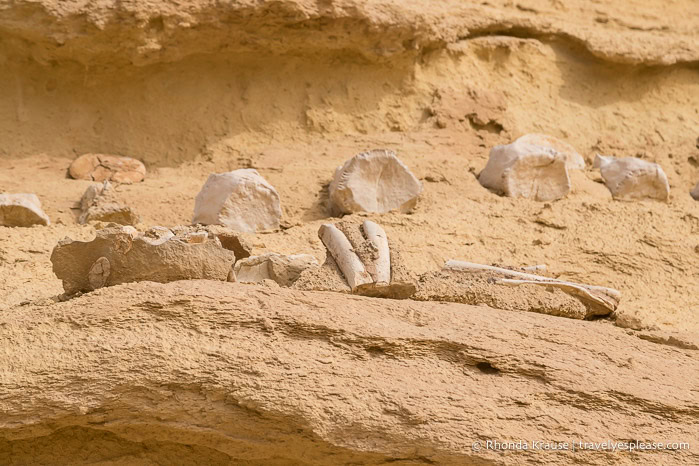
(380, 268)
(341, 250)
(608, 298)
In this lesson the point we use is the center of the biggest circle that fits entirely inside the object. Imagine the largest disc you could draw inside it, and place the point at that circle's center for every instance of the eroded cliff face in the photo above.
(212, 372)
(219, 373)
(166, 81)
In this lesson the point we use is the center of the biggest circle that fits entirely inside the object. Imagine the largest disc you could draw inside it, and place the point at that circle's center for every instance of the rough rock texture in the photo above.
(630, 178)
(21, 210)
(574, 161)
(101, 167)
(241, 200)
(523, 169)
(122, 255)
(284, 270)
(375, 181)
(101, 203)
(219, 373)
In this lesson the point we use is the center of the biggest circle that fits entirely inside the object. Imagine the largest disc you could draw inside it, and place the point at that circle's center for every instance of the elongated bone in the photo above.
(341, 250)
(535, 268)
(590, 294)
(380, 268)
(608, 298)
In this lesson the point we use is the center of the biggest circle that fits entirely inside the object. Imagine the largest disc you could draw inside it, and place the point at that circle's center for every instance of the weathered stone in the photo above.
(21, 210)
(122, 255)
(205, 372)
(574, 161)
(241, 200)
(695, 192)
(526, 170)
(631, 178)
(284, 270)
(101, 203)
(375, 181)
(101, 167)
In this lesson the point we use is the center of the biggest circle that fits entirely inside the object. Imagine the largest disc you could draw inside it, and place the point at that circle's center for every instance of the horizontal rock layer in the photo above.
(148, 32)
(219, 372)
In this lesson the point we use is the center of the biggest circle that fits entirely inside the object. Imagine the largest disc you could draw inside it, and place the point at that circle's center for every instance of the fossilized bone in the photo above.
(341, 250)
(597, 296)
(380, 268)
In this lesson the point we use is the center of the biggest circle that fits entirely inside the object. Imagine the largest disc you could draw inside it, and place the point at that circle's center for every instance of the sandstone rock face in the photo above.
(21, 210)
(630, 178)
(574, 161)
(272, 266)
(522, 169)
(101, 203)
(241, 200)
(375, 181)
(695, 192)
(205, 372)
(122, 255)
(101, 167)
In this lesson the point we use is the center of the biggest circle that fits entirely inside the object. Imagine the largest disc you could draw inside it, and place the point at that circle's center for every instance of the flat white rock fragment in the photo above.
(241, 200)
(630, 178)
(21, 210)
(574, 161)
(695, 192)
(272, 266)
(375, 181)
(526, 170)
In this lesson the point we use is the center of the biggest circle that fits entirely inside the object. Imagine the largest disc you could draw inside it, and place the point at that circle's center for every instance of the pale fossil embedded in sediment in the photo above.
(241, 200)
(122, 255)
(600, 300)
(522, 169)
(21, 210)
(375, 181)
(380, 266)
(342, 252)
(284, 270)
(631, 178)
(366, 260)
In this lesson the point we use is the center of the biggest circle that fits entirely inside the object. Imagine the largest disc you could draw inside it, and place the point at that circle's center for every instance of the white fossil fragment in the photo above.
(574, 161)
(526, 170)
(284, 270)
(241, 200)
(630, 178)
(347, 260)
(380, 268)
(375, 181)
(21, 210)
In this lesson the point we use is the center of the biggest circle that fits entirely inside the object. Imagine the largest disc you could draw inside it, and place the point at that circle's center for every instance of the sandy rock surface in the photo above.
(100, 202)
(221, 373)
(276, 376)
